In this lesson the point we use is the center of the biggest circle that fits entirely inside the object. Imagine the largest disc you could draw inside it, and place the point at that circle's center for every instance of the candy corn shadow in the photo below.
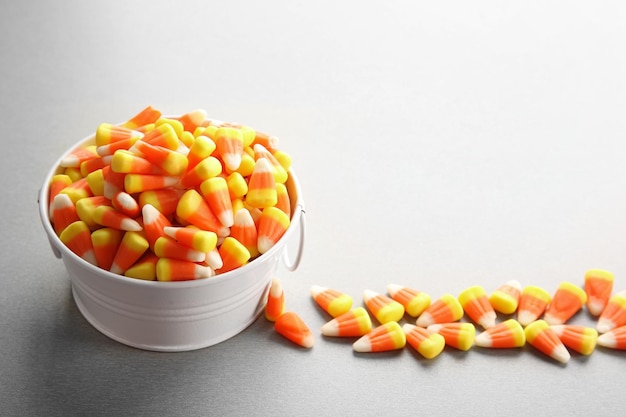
(222, 306)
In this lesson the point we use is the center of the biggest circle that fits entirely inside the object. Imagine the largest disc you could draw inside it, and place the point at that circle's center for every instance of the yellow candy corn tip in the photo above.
(418, 304)
(574, 289)
(340, 305)
(599, 274)
(466, 333)
(431, 346)
(393, 311)
(587, 342)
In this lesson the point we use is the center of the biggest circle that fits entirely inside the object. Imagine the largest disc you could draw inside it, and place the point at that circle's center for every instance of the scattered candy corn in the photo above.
(331, 301)
(614, 314)
(614, 339)
(382, 307)
(275, 305)
(388, 336)
(532, 304)
(457, 335)
(508, 334)
(414, 302)
(543, 338)
(446, 309)
(428, 343)
(356, 322)
(566, 301)
(476, 305)
(505, 299)
(291, 326)
(598, 286)
(578, 338)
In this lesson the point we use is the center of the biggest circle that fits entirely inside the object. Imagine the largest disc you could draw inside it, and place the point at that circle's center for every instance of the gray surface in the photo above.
(438, 146)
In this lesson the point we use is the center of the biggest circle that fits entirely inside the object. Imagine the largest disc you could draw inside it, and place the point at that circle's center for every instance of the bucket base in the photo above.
(110, 333)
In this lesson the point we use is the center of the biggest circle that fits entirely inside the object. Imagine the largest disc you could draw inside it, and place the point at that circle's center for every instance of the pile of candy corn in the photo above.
(530, 315)
(171, 198)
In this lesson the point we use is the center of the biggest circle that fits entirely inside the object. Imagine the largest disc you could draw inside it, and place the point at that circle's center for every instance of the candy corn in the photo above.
(77, 238)
(273, 223)
(215, 192)
(63, 212)
(105, 243)
(178, 270)
(107, 133)
(154, 223)
(413, 301)
(77, 190)
(598, 287)
(194, 209)
(126, 204)
(85, 208)
(129, 163)
(388, 336)
(136, 183)
(578, 338)
(78, 156)
(291, 326)
(229, 145)
(428, 343)
(566, 301)
(476, 305)
(280, 174)
(144, 268)
(331, 301)
(543, 338)
(444, 310)
(262, 185)
(200, 240)
(131, 248)
(244, 230)
(275, 305)
(164, 200)
(532, 304)
(283, 202)
(209, 167)
(614, 314)
(233, 254)
(385, 309)
(613, 339)
(201, 148)
(109, 217)
(166, 247)
(144, 117)
(356, 322)
(170, 161)
(457, 335)
(508, 334)
(505, 299)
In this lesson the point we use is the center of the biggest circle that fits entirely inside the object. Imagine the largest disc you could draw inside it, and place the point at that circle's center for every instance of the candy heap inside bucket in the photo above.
(171, 198)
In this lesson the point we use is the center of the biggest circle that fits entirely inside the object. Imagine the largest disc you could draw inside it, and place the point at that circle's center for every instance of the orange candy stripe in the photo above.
(291, 326)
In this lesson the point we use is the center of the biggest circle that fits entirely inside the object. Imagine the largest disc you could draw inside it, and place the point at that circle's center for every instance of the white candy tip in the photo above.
(330, 329)
(560, 354)
(425, 320)
(362, 345)
(607, 340)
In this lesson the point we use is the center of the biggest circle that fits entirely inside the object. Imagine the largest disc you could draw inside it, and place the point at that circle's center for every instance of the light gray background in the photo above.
(439, 145)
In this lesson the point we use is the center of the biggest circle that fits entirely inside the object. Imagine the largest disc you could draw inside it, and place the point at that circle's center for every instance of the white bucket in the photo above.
(174, 316)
